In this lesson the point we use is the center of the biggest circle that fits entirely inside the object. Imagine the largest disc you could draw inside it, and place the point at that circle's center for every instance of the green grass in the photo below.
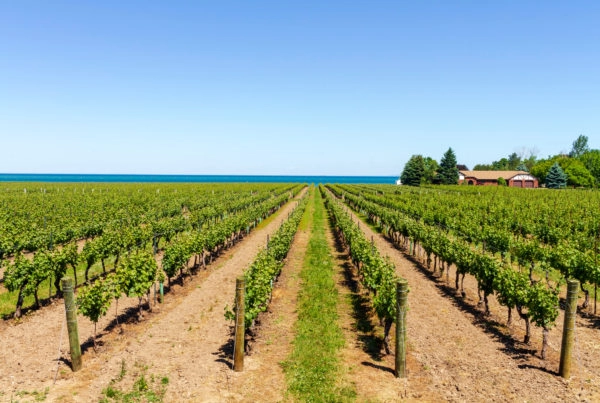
(306, 221)
(35, 395)
(145, 388)
(313, 368)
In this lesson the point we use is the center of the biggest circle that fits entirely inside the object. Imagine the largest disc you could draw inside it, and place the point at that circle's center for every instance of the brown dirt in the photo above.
(264, 379)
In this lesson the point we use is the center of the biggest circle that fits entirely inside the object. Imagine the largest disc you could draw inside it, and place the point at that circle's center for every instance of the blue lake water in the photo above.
(122, 178)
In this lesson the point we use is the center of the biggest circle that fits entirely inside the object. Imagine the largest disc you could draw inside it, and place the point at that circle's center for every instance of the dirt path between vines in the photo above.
(184, 340)
(461, 357)
(369, 369)
(264, 379)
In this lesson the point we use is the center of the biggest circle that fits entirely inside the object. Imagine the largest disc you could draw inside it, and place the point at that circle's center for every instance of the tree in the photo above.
(414, 171)
(431, 167)
(556, 178)
(577, 174)
(580, 147)
(483, 167)
(448, 173)
(513, 161)
(522, 167)
(591, 160)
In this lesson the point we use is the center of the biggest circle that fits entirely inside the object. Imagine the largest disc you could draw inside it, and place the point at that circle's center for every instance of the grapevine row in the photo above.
(377, 274)
(265, 269)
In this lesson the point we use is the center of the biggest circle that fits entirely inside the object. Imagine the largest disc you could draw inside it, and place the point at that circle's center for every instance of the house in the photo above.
(517, 179)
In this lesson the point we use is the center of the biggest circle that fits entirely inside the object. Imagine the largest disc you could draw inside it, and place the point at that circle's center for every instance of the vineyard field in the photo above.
(486, 269)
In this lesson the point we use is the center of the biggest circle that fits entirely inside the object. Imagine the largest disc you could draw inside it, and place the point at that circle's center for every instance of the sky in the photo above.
(292, 87)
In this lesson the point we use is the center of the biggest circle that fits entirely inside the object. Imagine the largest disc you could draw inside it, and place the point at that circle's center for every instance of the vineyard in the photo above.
(103, 224)
(155, 268)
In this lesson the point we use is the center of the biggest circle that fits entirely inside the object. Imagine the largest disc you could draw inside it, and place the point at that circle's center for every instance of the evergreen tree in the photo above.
(448, 172)
(414, 171)
(556, 178)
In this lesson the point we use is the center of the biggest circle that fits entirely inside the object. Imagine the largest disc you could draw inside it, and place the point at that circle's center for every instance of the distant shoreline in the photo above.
(140, 178)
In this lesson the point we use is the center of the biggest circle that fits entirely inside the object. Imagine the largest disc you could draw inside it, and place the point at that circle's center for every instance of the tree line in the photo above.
(421, 170)
(578, 168)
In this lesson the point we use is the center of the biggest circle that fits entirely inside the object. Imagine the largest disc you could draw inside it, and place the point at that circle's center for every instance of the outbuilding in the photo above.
(517, 179)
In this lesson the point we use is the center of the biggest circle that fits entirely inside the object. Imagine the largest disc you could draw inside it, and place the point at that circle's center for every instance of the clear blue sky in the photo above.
(290, 87)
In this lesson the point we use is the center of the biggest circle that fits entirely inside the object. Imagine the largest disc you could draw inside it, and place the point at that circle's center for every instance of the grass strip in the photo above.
(313, 368)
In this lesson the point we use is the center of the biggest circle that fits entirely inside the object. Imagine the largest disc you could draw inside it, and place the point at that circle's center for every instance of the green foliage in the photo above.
(431, 167)
(94, 300)
(591, 160)
(512, 287)
(176, 255)
(448, 172)
(580, 147)
(556, 178)
(35, 217)
(522, 167)
(519, 229)
(19, 275)
(217, 212)
(502, 182)
(266, 267)
(145, 388)
(312, 369)
(137, 273)
(414, 171)
(377, 273)
(541, 168)
(512, 163)
(543, 305)
(577, 174)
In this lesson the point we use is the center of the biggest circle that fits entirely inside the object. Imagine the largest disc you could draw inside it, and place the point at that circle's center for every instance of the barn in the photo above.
(517, 179)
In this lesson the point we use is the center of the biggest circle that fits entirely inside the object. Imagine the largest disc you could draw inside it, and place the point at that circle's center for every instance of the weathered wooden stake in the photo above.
(238, 353)
(595, 297)
(71, 311)
(401, 308)
(155, 295)
(569, 329)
